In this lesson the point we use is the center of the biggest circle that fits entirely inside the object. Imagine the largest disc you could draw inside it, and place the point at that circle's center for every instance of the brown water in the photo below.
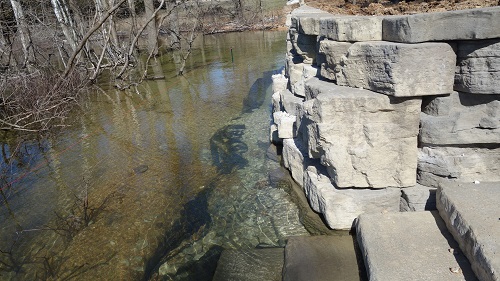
(154, 181)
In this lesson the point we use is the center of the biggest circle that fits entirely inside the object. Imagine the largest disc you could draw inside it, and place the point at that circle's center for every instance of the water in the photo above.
(154, 181)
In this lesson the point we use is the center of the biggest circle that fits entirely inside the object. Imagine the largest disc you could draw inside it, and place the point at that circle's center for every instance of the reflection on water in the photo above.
(155, 181)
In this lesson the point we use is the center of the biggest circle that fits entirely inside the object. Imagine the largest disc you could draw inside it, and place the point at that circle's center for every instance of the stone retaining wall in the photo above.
(375, 112)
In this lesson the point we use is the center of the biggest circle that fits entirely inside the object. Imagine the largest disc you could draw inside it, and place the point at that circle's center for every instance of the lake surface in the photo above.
(156, 181)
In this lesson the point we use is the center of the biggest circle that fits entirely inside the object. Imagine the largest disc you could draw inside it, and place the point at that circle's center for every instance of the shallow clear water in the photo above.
(155, 181)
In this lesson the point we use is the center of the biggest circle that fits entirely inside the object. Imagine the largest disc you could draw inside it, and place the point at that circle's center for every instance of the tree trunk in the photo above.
(174, 34)
(131, 6)
(66, 21)
(151, 28)
(24, 34)
(102, 6)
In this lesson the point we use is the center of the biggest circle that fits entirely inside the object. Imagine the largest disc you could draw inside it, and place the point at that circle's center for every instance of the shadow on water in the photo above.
(227, 150)
(257, 93)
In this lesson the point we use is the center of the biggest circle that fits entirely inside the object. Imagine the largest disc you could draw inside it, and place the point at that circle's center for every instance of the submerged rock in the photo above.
(141, 169)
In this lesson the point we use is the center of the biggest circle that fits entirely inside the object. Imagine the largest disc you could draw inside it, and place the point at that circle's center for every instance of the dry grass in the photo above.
(384, 7)
(30, 102)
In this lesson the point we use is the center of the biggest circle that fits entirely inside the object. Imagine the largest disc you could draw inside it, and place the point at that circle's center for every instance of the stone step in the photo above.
(320, 258)
(250, 265)
(472, 213)
(410, 246)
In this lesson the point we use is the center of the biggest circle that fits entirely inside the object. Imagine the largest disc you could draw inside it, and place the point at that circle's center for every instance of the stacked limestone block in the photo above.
(388, 107)
(460, 132)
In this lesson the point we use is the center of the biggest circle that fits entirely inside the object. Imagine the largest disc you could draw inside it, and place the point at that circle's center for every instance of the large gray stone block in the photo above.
(333, 52)
(460, 118)
(453, 25)
(299, 73)
(291, 103)
(351, 28)
(340, 207)
(399, 69)
(366, 139)
(472, 215)
(478, 67)
(309, 23)
(410, 246)
(462, 164)
(303, 11)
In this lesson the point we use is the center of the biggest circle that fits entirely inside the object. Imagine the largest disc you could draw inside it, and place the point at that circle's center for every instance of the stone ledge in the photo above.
(340, 207)
(351, 28)
(472, 214)
(471, 24)
(410, 246)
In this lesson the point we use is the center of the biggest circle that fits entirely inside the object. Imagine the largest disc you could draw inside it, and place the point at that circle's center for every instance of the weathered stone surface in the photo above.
(418, 198)
(472, 214)
(302, 123)
(276, 102)
(291, 103)
(304, 45)
(320, 258)
(366, 139)
(410, 246)
(333, 52)
(460, 118)
(285, 124)
(273, 134)
(251, 264)
(478, 67)
(299, 73)
(399, 69)
(280, 82)
(295, 159)
(302, 11)
(341, 206)
(462, 164)
(351, 28)
(309, 23)
(453, 25)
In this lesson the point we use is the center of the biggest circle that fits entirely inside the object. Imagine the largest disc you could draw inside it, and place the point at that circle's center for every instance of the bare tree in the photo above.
(64, 18)
(24, 34)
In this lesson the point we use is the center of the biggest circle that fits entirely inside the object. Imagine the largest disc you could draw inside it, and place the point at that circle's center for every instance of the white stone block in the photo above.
(280, 82)
(285, 123)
